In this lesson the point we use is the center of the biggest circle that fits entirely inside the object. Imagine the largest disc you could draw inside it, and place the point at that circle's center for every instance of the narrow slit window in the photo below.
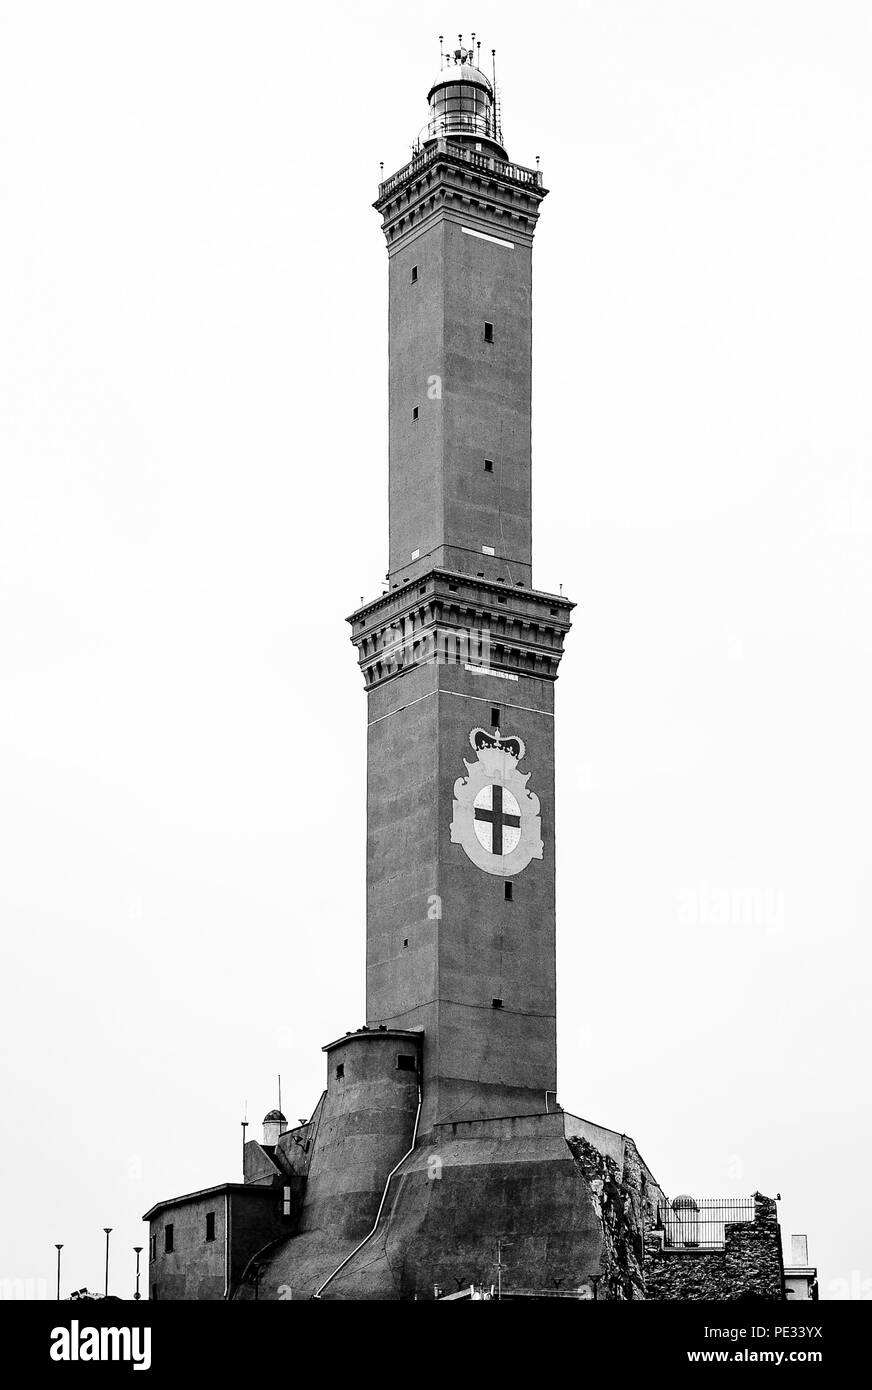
(495, 717)
(414, 275)
(405, 942)
(168, 1239)
(340, 1071)
(488, 465)
(286, 1201)
(509, 891)
(488, 332)
(414, 412)
(210, 1225)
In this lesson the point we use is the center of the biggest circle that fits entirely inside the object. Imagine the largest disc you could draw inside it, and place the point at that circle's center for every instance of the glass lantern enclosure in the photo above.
(462, 110)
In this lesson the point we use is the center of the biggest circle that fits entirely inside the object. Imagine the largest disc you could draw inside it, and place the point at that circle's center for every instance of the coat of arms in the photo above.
(495, 818)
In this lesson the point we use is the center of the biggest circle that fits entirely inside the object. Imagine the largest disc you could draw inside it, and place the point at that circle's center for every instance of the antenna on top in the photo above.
(478, 53)
(441, 53)
(280, 1092)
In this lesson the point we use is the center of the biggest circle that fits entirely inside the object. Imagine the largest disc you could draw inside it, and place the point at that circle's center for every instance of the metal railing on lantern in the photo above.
(691, 1224)
(488, 164)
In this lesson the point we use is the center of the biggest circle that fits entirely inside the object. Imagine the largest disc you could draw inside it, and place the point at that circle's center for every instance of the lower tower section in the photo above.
(460, 840)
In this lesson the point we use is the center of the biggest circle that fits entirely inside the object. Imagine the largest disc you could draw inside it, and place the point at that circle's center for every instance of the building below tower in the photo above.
(358, 1204)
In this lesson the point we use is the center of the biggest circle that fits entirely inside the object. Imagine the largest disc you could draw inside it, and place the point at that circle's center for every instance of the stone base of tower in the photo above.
(558, 1202)
(531, 1192)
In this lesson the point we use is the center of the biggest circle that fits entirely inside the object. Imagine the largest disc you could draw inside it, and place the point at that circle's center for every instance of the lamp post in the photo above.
(108, 1230)
(500, 1244)
(137, 1250)
(59, 1248)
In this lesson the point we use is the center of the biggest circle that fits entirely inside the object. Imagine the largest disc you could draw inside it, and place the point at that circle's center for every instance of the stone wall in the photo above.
(749, 1266)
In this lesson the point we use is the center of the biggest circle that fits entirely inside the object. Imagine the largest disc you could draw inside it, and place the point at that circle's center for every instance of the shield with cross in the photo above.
(495, 818)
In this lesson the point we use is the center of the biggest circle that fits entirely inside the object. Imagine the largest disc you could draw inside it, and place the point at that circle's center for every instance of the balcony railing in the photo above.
(700, 1225)
(486, 163)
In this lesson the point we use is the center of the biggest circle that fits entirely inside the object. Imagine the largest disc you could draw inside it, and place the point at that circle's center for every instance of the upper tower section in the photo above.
(459, 221)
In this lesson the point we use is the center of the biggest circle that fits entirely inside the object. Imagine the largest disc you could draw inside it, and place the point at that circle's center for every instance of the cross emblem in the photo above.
(497, 810)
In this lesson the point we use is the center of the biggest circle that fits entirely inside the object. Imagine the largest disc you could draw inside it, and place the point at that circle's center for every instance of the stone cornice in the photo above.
(449, 181)
(449, 617)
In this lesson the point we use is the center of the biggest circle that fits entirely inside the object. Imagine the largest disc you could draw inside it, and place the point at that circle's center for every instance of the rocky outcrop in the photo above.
(619, 1195)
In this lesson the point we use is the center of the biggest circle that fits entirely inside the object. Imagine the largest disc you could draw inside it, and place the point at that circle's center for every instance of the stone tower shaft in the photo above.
(460, 654)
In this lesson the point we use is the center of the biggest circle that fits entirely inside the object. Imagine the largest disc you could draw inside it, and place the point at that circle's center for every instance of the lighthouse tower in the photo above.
(460, 654)
(437, 1158)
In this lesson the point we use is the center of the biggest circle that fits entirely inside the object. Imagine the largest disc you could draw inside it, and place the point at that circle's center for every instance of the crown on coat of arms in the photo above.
(481, 739)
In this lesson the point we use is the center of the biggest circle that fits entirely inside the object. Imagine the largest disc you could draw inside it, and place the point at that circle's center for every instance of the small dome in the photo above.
(685, 1201)
(273, 1117)
(460, 72)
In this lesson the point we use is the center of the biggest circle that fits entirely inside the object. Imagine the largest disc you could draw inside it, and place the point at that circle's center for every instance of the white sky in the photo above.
(193, 496)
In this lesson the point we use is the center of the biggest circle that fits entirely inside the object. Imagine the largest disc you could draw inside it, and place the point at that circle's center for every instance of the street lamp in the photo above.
(59, 1248)
(137, 1250)
(500, 1244)
(108, 1230)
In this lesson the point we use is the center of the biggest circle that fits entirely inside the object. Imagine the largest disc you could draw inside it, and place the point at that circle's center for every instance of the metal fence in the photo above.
(691, 1224)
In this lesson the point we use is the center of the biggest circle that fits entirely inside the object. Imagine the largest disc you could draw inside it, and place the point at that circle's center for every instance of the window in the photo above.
(406, 1061)
(452, 588)
(496, 1003)
(416, 554)
(553, 612)
(495, 717)
(154, 1293)
(414, 413)
(168, 1240)
(509, 890)
(286, 1201)
(152, 1248)
(488, 465)
(405, 943)
(488, 332)
(487, 550)
(340, 1071)
(210, 1225)
(414, 275)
